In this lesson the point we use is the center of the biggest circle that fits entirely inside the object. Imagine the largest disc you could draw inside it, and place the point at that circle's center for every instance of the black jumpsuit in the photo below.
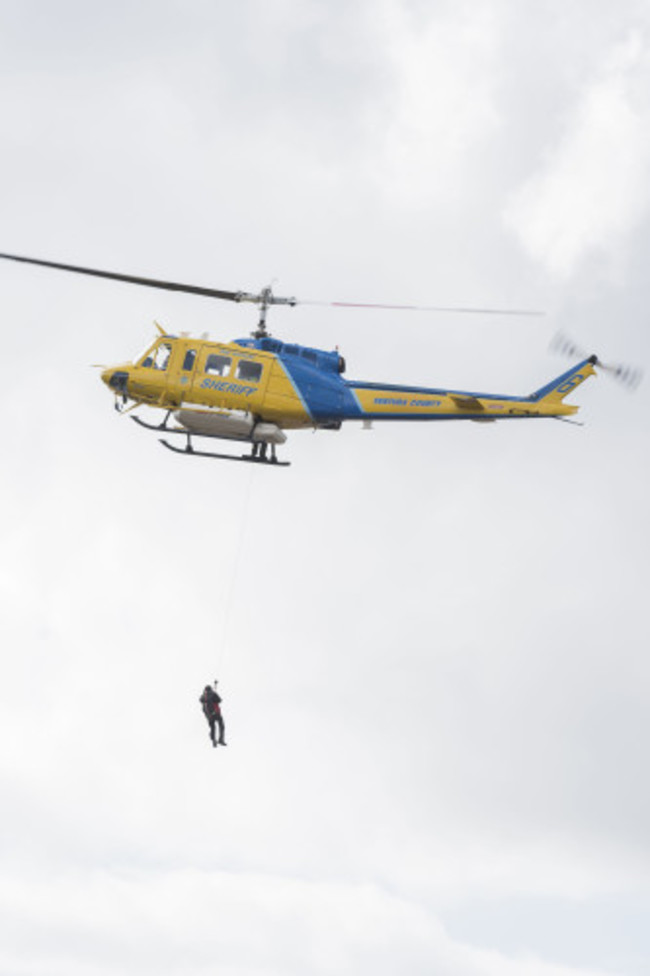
(211, 701)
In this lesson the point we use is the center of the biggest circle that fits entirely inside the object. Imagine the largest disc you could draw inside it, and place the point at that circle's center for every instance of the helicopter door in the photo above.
(180, 372)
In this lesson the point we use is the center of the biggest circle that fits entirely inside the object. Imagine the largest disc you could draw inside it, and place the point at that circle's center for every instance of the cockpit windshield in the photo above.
(157, 357)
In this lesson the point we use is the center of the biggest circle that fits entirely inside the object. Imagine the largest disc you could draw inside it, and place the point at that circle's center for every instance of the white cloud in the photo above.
(593, 188)
(191, 923)
(438, 104)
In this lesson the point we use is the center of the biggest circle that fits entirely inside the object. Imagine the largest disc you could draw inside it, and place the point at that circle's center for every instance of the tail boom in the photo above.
(374, 401)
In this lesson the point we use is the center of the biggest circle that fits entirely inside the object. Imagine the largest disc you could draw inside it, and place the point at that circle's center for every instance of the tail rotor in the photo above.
(628, 376)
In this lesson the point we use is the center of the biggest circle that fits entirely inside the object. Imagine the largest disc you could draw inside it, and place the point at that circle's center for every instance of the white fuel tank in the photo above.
(235, 426)
(217, 423)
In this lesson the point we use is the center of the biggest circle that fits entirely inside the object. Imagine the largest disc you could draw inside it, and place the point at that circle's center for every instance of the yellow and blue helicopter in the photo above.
(253, 390)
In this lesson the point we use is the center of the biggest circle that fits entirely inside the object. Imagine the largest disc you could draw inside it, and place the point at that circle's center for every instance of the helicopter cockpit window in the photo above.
(249, 372)
(190, 356)
(146, 359)
(217, 365)
(160, 356)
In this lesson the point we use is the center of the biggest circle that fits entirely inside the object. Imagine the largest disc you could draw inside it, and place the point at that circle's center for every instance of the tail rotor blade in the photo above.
(562, 344)
(628, 376)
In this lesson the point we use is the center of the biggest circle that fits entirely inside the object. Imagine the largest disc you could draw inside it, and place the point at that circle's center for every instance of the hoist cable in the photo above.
(230, 593)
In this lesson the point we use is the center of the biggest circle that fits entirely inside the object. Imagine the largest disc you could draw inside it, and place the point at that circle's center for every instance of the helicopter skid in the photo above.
(254, 458)
(258, 454)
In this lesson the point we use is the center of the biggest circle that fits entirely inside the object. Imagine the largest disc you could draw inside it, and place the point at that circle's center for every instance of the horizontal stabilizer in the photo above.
(467, 402)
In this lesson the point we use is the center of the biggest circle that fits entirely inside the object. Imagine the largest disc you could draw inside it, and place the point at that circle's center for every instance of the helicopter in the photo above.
(253, 390)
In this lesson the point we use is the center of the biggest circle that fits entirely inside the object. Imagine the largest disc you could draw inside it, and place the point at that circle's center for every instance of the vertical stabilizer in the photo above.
(555, 391)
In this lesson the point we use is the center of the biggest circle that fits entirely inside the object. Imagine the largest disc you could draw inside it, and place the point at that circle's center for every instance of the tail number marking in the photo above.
(570, 383)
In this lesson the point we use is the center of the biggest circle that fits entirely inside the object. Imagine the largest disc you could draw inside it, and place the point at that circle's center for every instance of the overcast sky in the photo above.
(432, 640)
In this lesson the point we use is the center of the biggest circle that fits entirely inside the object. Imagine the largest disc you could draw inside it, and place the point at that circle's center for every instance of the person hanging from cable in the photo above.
(211, 704)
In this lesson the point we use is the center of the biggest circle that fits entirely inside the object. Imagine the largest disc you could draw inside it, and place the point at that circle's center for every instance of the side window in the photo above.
(217, 365)
(249, 372)
(190, 356)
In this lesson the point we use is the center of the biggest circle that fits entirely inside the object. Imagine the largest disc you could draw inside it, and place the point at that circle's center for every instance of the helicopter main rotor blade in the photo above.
(265, 298)
(426, 308)
(232, 296)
